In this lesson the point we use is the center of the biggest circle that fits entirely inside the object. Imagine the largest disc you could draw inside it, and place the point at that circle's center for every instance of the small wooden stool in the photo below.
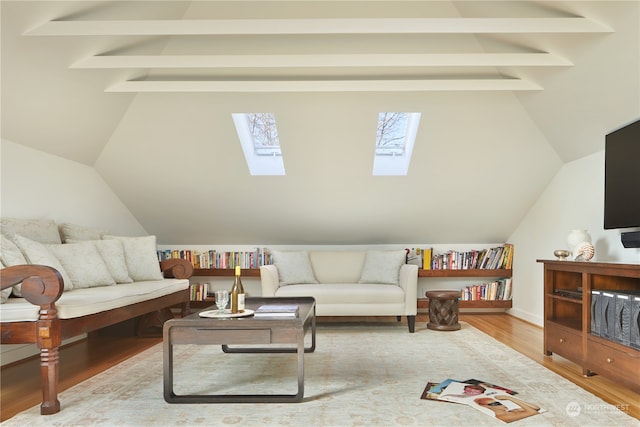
(443, 310)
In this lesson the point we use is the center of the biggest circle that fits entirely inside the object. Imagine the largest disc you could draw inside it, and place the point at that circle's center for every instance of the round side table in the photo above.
(443, 310)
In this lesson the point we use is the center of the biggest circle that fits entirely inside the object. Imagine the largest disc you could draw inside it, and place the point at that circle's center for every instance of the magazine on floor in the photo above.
(432, 390)
(491, 401)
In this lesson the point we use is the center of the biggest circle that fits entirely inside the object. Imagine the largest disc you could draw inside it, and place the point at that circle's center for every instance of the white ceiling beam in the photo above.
(317, 26)
(414, 85)
(323, 60)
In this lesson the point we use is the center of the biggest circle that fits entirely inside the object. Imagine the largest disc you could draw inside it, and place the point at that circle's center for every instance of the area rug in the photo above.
(361, 374)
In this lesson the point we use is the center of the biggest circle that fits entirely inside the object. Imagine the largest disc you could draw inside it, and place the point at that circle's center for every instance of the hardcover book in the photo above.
(277, 311)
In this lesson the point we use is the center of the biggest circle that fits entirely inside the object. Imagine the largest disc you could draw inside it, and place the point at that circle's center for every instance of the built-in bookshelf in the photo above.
(219, 260)
(449, 264)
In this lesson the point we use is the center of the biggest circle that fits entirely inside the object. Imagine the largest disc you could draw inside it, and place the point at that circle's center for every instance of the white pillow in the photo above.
(40, 230)
(294, 267)
(71, 232)
(37, 253)
(140, 254)
(83, 264)
(383, 267)
(112, 253)
(4, 295)
(11, 255)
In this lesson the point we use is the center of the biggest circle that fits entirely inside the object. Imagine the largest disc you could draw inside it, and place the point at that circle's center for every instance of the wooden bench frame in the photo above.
(43, 286)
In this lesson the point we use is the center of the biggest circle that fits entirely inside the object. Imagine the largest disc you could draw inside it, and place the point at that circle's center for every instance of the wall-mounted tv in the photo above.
(622, 180)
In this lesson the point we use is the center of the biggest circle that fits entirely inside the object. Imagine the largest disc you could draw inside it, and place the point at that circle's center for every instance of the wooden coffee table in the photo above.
(261, 333)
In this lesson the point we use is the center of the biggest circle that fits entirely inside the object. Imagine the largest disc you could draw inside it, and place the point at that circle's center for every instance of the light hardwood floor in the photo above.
(20, 383)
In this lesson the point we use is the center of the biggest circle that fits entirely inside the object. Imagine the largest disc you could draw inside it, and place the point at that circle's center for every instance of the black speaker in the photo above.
(630, 239)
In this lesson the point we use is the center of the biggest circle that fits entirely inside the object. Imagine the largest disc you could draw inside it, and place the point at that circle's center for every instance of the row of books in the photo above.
(499, 257)
(499, 290)
(219, 259)
(198, 291)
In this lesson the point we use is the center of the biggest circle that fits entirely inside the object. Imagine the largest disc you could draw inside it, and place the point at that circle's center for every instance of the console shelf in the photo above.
(567, 320)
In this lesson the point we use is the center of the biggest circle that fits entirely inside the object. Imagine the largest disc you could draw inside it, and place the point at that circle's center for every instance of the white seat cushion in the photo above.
(81, 302)
(346, 293)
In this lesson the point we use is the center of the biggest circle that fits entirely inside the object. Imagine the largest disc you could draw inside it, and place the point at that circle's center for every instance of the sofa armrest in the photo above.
(269, 280)
(41, 285)
(176, 267)
(409, 283)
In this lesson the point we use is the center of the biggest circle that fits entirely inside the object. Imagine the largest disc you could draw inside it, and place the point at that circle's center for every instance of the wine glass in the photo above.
(222, 298)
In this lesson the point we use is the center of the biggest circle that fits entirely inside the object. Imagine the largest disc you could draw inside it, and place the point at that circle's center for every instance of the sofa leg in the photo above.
(411, 321)
(49, 372)
(399, 318)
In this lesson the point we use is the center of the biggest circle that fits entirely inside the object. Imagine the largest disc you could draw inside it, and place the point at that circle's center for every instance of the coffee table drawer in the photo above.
(190, 335)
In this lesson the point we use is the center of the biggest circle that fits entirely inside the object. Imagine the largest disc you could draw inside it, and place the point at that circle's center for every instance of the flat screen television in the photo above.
(622, 180)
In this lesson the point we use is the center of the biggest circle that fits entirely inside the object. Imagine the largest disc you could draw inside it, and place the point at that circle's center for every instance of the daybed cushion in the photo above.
(83, 263)
(112, 253)
(4, 295)
(81, 302)
(141, 257)
(37, 253)
(71, 232)
(40, 230)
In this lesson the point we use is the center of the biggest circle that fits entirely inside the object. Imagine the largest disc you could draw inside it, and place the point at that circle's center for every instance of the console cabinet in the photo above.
(568, 317)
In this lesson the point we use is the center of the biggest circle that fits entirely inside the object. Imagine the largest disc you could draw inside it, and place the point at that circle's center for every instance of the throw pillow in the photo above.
(4, 295)
(40, 230)
(112, 253)
(382, 267)
(10, 255)
(294, 267)
(141, 256)
(83, 264)
(37, 253)
(76, 232)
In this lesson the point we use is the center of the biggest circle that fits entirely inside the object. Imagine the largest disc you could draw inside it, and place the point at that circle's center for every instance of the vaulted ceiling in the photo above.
(144, 92)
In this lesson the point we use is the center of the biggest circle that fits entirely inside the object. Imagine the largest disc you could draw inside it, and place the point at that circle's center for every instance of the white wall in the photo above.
(39, 185)
(573, 200)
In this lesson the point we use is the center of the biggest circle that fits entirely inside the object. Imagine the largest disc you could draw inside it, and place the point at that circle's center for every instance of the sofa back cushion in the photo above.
(337, 266)
(39, 230)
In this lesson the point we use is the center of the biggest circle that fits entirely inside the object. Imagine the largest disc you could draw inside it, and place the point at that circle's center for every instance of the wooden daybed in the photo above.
(43, 286)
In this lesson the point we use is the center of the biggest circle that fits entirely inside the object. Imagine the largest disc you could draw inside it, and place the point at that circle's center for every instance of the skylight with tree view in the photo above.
(395, 138)
(258, 136)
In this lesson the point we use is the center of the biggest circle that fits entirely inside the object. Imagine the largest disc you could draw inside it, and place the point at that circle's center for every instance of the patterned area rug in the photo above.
(362, 374)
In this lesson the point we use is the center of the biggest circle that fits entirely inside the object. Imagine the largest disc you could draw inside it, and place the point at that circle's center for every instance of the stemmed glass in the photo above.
(222, 298)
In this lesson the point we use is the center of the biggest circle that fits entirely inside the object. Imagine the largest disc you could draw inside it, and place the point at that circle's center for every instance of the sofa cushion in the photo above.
(382, 267)
(294, 267)
(345, 293)
(141, 256)
(40, 230)
(74, 232)
(83, 264)
(37, 253)
(112, 253)
(82, 302)
(337, 266)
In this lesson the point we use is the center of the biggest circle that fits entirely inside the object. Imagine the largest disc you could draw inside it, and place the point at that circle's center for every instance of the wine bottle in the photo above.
(237, 294)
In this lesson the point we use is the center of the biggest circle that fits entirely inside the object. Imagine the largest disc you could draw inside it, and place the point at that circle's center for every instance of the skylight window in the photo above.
(258, 136)
(395, 137)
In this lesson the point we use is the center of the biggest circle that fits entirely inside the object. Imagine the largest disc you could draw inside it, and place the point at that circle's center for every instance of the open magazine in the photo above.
(495, 402)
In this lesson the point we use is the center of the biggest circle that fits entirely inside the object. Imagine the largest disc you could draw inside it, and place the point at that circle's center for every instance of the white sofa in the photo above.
(346, 283)
(53, 291)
